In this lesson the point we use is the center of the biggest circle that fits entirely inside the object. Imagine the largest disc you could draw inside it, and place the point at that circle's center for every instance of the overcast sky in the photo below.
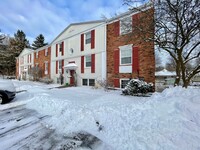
(50, 17)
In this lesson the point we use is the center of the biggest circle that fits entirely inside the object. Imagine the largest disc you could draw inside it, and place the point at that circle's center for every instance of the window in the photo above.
(60, 64)
(126, 25)
(91, 82)
(60, 47)
(37, 55)
(46, 68)
(88, 61)
(124, 82)
(85, 82)
(88, 38)
(88, 82)
(46, 52)
(126, 56)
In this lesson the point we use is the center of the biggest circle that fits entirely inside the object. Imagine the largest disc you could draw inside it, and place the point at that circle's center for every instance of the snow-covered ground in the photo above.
(167, 120)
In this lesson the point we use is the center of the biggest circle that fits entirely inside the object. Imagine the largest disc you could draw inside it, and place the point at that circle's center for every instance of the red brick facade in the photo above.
(40, 59)
(145, 52)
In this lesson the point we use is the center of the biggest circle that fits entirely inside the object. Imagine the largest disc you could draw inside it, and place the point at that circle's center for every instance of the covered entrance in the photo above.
(70, 73)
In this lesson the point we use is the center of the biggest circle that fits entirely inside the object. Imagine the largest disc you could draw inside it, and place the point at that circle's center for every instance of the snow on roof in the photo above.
(71, 66)
(165, 72)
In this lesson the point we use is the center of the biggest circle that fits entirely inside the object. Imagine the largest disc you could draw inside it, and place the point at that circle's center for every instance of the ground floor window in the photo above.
(91, 82)
(124, 82)
(88, 82)
(85, 82)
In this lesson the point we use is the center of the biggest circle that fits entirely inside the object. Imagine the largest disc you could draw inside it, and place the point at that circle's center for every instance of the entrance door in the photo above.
(72, 77)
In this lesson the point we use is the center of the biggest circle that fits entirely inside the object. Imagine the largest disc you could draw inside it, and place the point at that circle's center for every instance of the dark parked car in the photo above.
(7, 91)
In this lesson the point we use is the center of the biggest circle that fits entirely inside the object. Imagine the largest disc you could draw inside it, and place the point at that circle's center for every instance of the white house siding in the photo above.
(23, 62)
(74, 41)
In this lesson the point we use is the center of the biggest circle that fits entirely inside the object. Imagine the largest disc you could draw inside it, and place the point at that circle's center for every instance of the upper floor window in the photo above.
(88, 61)
(60, 47)
(46, 52)
(88, 38)
(126, 25)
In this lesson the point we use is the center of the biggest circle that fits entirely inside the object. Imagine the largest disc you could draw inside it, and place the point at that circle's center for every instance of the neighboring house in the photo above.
(128, 55)
(164, 79)
(42, 61)
(78, 54)
(24, 63)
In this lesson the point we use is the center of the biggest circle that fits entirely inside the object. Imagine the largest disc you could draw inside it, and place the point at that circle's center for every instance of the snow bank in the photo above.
(167, 120)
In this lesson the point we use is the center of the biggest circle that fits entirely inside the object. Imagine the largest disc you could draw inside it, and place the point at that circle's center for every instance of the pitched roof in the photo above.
(80, 23)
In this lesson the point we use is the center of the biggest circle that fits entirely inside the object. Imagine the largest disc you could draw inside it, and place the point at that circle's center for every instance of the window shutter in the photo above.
(56, 67)
(82, 42)
(82, 64)
(62, 48)
(30, 58)
(62, 66)
(93, 63)
(56, 50)
(116, 28)
(135, 60)
(92, 39)
(135, 21)
(116, 60)
(116, 82)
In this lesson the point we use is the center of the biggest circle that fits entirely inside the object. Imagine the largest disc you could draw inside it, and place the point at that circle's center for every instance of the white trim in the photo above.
(85, 61)
(122, 48)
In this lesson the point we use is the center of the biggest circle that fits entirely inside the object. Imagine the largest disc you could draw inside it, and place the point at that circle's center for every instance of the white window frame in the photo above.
(60, 65)
(60, 47)
(36, 64)
(124, 48)
(37, 55)
(86, 37)
(88, 61)
(126, 25)
(88, 82)
(46, 67)
(127, 79)
(46, 52)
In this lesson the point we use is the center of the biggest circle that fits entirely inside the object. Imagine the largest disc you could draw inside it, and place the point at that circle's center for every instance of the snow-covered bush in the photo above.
(136, 86)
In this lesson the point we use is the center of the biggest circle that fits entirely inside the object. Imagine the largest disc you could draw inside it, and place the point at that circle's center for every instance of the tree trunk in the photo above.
(186, 83)
(178, 74)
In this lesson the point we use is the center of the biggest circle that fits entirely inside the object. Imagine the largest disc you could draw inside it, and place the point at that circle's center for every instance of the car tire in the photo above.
(4, 98)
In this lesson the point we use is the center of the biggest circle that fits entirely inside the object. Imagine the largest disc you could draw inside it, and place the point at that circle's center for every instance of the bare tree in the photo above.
(177, 31)
(36, 73)
(170, 65)
(158, 61)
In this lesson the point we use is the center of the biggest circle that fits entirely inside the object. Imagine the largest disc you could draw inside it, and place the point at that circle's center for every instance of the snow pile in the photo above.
(168, 120)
